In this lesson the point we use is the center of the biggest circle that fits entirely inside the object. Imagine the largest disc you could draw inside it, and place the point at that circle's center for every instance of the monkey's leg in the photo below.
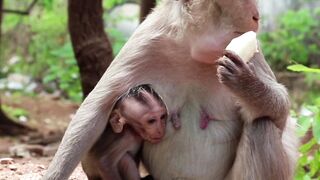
(260, 154)
(128, 168)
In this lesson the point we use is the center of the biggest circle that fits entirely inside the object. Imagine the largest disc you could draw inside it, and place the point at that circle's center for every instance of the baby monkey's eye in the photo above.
(164, 116)
(151, 121)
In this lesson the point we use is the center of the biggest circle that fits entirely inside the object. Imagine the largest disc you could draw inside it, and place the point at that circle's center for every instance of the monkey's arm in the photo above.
(109, 166)
(255, 86)
(265, 107)
(128, 168)
(115, 162)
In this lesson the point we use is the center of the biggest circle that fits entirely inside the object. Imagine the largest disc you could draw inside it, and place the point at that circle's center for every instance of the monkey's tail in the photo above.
(261, 154)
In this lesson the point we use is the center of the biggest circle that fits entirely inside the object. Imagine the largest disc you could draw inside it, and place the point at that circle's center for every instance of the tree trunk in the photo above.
(145, 8)
(91, 45)
(11, 128)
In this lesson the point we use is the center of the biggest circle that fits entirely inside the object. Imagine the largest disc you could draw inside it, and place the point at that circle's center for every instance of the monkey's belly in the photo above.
(192, 153)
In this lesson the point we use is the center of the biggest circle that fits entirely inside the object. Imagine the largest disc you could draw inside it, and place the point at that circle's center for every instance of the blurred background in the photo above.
(42, 82)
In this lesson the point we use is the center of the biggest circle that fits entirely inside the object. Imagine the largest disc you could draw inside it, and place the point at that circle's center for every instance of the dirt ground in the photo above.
(32, 169)
(30, 154)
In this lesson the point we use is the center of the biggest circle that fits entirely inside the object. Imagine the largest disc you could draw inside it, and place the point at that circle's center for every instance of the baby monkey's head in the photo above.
(143, 110)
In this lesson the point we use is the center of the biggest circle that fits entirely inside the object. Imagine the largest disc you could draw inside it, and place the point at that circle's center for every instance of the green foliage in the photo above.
(46, 53)
(309, 161)
(14, 112)
(311, 74)
(111, 3)
(302, 68)
(117, 39)
(49, 56)
(48, 4)
(10, 22)
(65, 72)
(296, 38)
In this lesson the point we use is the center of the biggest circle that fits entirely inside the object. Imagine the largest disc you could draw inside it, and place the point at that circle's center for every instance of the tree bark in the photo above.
(11, 128)
(91, 45)
(145, 8)
(19, 12)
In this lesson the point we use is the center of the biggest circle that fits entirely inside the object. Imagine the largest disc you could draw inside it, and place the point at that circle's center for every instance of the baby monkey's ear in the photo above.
(117, 121)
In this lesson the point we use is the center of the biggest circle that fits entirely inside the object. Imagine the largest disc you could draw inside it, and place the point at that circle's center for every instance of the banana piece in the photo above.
(244, 46)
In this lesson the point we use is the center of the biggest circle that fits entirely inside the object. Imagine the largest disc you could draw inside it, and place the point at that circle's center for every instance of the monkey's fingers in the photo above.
(234, 57)
(228, 64)
(225, 76)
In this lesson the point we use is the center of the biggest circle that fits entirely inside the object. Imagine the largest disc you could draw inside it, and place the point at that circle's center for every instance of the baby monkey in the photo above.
(138, 115)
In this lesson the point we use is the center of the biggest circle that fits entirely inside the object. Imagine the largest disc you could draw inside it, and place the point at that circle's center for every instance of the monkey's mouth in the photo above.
(155, 140)
(238, 33)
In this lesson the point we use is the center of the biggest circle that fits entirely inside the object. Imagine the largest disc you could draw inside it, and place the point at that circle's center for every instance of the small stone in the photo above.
(6, 161)
(23, 119)
(41, 167)
(31, 176)
(19, 172)
(12, 167)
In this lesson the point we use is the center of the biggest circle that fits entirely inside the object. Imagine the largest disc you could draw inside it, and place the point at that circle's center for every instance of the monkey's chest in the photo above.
(191, 152)
(196, 151)
(203, 99)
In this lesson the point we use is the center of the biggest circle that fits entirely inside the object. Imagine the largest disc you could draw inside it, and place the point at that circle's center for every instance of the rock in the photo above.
(32, 150)
(14, 86)
(14, 60)
(41, 167)
(17, 81)
(19, 151)
(19, 78)
(3, 83)
(125, 18)
(12, 167)
(31, 176)
(26, 151)
(6, 161)
(23, 119)
(31, 87)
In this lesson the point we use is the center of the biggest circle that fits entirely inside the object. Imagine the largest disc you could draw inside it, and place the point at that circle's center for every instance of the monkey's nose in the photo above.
(256, 16)
(160, 134)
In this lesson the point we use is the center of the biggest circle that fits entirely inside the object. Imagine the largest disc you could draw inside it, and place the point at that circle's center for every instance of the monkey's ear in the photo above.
(117, 122)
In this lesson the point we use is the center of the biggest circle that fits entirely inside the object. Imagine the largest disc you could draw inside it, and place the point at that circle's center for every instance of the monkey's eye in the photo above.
(164, 116)
(151, 121)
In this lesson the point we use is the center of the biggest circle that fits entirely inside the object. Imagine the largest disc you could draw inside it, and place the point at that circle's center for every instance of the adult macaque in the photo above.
(138, 115)
(176, 49)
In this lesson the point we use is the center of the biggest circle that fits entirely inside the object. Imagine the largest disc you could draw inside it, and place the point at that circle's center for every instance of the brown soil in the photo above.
(50, 117)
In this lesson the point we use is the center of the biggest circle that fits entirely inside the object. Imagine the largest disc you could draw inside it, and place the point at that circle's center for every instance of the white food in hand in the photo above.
(244, 46)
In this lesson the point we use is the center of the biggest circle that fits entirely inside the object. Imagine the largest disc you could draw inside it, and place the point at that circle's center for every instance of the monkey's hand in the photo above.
(254, 85)
(234, 72)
